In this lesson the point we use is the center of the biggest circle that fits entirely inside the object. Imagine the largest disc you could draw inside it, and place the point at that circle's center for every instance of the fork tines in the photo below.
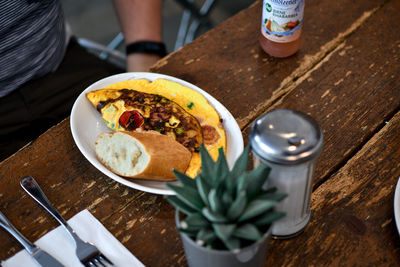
(97, 260)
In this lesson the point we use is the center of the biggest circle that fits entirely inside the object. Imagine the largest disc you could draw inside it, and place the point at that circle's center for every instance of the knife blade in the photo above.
(45, 259)
(41, 256)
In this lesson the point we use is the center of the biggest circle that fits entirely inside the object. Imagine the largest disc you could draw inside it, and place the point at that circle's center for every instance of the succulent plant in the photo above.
(225, 209)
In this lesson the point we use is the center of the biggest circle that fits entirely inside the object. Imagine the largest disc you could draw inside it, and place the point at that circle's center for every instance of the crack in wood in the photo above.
(358, 150)
(309, 64)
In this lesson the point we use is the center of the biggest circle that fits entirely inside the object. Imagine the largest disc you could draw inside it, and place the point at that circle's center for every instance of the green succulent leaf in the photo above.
(270, 190)
(231, 182)
(185, 180)
(203, 187)
(239, 169)
(269, 218)
(248, 231)
(230, 185)
(213, 217)
(215, 203)
(191, 228)
(222, 169)
(188, 195)
(223, 231)
(238, 206)
(256, 208)
(221, 187)
(227, 199)
(242, 162)
(207, 164)
(191, 233)
(256, 179)
(205, 236)
(216, 244)
(272, 196)
(241, 183)
(232, 243)
(180, 205)
(222, 162)
(196, 220)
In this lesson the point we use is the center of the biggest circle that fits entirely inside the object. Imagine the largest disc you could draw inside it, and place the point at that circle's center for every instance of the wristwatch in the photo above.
(147, 47)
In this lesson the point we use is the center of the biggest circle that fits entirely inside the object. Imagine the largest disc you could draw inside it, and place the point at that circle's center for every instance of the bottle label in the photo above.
(282, 20)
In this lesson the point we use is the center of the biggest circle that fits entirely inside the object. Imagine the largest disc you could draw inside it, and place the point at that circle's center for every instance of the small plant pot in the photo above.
(199, 256)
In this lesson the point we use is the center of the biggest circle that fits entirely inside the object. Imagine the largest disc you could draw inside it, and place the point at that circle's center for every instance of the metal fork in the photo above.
(87, 253)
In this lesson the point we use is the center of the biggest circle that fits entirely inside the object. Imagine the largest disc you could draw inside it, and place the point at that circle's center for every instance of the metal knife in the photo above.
(41, 256)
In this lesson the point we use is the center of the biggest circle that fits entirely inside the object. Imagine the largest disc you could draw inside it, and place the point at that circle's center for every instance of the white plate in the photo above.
(397, 205)
(86, 124)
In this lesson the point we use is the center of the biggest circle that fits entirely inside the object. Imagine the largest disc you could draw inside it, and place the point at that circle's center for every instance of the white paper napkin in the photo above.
(61, 246)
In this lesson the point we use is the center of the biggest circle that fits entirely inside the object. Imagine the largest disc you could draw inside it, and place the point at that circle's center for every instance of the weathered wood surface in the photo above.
(353, 90)
(346, 76)
(228, 62)
(142, 222)
(352, 222)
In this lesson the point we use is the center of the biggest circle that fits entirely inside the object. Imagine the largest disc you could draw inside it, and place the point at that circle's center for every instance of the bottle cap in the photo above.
(286, 137)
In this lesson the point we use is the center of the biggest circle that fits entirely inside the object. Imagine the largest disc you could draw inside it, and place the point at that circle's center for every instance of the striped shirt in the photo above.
(32, 41)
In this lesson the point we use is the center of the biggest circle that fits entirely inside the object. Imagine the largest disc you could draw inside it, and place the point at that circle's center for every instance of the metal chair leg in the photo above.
(200, 18)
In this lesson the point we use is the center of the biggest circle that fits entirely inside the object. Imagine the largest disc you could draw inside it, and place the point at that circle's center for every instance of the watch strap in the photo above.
(147, 47)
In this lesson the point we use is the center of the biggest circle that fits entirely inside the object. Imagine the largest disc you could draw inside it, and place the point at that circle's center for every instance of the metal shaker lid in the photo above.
(285, 136)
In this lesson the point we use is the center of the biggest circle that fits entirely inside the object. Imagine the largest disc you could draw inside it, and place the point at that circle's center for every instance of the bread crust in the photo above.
(164, 152)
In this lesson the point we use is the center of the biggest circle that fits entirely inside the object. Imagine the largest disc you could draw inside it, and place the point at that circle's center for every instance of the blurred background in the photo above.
(95, 20)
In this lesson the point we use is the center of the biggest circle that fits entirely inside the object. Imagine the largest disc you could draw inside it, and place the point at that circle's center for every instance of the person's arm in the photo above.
(140, 20)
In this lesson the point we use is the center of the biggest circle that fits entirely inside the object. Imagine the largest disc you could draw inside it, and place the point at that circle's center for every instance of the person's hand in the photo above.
(139, 62)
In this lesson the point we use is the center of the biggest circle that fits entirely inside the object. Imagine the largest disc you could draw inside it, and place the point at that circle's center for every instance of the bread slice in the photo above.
(143, 155)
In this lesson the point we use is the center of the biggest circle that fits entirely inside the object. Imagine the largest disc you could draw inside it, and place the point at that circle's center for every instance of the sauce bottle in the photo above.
(281, 26)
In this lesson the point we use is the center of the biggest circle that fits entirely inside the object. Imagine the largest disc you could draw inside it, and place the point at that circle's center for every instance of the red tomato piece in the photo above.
(131, 120)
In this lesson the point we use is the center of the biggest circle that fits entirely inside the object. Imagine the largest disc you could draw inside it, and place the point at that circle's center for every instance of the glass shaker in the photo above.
(289, 142)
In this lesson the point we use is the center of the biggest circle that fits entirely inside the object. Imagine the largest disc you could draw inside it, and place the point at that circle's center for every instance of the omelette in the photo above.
(166, 107)
(130, 110)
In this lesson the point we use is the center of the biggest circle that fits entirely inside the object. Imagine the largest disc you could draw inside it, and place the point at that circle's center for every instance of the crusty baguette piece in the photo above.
(143, 155)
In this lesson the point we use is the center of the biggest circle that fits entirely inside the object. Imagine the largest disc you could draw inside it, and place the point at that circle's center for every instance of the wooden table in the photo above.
(346, 76)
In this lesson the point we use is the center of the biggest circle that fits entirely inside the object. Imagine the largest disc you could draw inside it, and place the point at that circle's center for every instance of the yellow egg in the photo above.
(191, 101)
